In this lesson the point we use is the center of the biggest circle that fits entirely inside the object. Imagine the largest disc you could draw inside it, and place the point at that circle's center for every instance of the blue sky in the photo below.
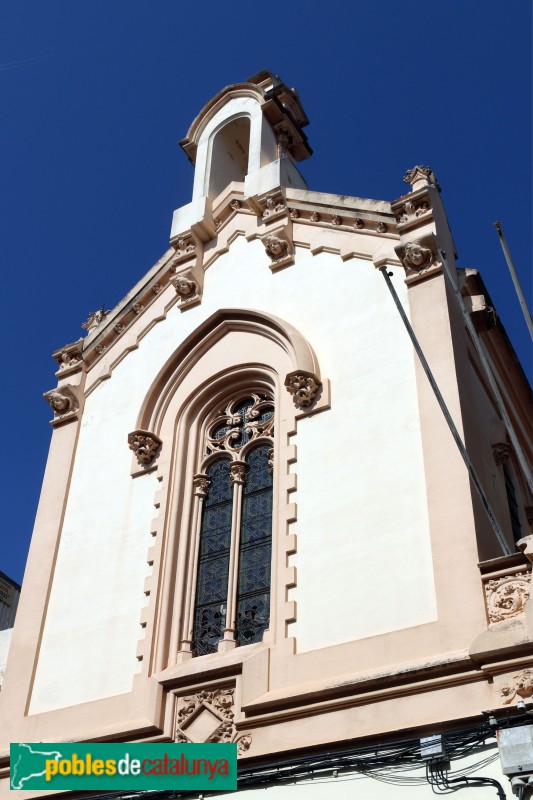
(95, 96)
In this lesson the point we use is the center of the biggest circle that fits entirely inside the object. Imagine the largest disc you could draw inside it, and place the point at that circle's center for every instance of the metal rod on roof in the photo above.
(514, 276)
(447, 416)
(488, 373)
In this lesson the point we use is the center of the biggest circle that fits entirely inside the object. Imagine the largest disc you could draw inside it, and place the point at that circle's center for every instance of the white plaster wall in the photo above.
(363, 559)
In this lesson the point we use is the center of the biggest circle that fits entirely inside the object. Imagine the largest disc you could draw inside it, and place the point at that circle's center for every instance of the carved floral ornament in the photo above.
(410, 211)
(239, 423)
(208, 716)
(273, 205)
(145, 445)
(507, 596)
(303, 386)
(520, 684)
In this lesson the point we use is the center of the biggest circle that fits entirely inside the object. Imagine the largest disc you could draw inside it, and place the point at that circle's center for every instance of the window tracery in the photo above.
(233, 520)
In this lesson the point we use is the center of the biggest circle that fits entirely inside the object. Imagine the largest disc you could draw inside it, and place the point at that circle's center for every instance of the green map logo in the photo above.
(60, 766)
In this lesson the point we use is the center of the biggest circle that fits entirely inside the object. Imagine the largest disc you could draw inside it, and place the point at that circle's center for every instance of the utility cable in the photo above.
(447, 416)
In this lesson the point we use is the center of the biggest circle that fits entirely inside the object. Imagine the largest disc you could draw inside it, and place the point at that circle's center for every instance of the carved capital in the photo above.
(145, 445)
(507, 596)
(303, 387)
(209, 716)
(201, 484)
(501, 452)
(520, 684)
(237, 471)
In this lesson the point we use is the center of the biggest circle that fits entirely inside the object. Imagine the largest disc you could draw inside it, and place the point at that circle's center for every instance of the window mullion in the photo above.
(237, 474)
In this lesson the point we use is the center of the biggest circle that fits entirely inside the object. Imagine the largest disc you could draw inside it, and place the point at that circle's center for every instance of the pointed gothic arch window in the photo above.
(234, 525)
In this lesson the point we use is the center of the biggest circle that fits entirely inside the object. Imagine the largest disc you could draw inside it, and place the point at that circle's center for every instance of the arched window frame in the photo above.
(277, 359)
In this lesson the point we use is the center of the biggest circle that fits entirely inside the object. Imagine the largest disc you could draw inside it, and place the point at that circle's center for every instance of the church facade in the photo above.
(255, 524)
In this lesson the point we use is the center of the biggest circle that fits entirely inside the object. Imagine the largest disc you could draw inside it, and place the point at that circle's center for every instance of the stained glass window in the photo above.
(245, 614)
(255, 551)
(213, 560)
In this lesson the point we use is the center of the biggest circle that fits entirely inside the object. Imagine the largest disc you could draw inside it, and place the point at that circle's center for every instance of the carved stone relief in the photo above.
(507, 596)
(69, 357)
(410, 211)
(187, 289)
(237, 472)
(94, 319)
(303, 388)
(63, 403)
(501, 452)
(185, 248)
(520, 684)
(137, 308)
(336, 220)
(208, 716)
(145, 445)
(284, 137)
(184, 287)
(315, 217)
(359, 223)
(420, 175)
(382, 228)
(235, 205)
(273, 205)
(275, 247)
(416, 256)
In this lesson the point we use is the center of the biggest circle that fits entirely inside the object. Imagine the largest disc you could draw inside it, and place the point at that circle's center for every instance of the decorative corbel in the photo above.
(145, 445)
(303, 386)
(64, 404)
(186, 248)
(418, 257)
(279, 247)
(273, 206)
(187, 288)
(69, 358)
